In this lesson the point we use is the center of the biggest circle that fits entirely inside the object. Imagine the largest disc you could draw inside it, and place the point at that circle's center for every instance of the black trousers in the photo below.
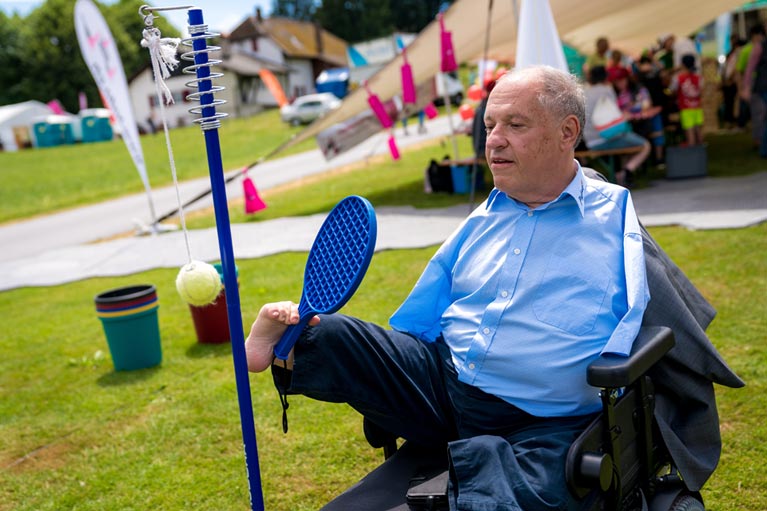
(501, 457)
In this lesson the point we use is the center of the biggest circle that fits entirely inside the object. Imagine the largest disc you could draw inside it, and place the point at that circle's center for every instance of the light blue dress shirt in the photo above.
(527, 298)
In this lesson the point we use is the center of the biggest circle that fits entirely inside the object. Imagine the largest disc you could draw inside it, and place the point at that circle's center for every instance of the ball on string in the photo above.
(198, 283)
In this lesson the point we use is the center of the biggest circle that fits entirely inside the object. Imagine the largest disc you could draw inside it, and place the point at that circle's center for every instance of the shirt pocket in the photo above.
(570, 296)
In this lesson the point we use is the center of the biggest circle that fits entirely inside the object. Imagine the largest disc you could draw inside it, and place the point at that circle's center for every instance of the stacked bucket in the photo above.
(129, 317)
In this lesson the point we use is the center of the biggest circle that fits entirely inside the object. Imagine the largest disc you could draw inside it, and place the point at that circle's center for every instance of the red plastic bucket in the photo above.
(211, 322)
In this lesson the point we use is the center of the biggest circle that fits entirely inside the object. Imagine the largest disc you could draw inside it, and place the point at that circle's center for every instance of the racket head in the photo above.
(340, 255)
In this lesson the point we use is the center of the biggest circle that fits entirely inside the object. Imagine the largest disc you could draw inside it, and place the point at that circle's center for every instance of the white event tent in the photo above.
(629, 24)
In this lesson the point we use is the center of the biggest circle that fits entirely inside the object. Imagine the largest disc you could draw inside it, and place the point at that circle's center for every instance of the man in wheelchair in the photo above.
(489, 353)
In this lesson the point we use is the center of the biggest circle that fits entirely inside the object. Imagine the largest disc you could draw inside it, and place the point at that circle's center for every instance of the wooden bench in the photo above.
(610, 158)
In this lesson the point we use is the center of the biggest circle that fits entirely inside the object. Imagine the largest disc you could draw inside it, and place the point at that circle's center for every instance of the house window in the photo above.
(178, 97)
(254, 44)
(248, 87)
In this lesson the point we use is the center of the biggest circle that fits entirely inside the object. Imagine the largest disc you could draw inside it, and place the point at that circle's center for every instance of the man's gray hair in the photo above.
(561, 93)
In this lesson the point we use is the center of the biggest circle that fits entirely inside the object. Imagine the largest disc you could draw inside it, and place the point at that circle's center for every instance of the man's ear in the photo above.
(569, 130)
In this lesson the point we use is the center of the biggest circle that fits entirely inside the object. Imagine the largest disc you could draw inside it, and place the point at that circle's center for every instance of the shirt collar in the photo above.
(576, 189)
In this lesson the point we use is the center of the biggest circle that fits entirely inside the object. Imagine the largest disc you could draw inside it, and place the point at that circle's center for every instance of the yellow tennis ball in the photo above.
(198, 283)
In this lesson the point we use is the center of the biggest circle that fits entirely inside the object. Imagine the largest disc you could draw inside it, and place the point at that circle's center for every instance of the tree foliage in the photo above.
(40, 55)
(302, 10)
(10, 59)
(362, 20)
(413, 15)
(356, 20)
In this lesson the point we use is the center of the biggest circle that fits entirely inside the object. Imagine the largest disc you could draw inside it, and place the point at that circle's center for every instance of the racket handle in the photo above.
(289, 338)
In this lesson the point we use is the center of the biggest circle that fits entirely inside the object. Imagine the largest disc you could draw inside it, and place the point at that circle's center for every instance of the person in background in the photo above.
(753, 85)
(685, 46)
(636, 103)
(674, 48)
(421, 122)
(616, 65)
(650, 75)
(598, 89)
(688, 85)
(665, 53)
(599, 57)
(729, 82)
(478, 131)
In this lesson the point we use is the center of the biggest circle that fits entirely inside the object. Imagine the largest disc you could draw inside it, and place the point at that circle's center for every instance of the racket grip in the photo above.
(289, 338)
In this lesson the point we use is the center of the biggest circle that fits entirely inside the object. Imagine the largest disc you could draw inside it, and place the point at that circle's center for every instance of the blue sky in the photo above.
(220, 15)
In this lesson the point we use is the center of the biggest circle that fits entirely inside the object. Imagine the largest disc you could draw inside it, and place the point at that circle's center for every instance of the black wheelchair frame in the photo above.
(618, 463)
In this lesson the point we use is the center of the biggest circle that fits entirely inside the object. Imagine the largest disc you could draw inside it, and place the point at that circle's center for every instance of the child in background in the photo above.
(688, 85)
(616, 66)
(635, 102)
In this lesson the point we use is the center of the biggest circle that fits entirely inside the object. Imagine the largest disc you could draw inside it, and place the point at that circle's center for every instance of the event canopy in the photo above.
(630, 25)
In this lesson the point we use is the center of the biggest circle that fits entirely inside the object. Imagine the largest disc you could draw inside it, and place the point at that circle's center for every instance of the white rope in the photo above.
(163, 55)
(162, 50)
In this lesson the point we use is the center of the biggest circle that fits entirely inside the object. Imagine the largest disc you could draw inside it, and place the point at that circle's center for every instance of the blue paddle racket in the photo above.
(336, 265)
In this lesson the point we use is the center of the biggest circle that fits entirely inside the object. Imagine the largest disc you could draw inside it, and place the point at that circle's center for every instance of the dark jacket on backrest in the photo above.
(685, 403)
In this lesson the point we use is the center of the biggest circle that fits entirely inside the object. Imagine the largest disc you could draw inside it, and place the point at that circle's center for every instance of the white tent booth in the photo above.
(16, 123)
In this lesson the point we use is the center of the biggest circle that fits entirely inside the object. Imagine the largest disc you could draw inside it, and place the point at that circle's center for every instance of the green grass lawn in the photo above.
(74, 434)
(42, 181)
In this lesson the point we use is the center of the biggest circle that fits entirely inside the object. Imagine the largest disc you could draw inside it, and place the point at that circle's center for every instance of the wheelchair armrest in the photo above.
(610, 371)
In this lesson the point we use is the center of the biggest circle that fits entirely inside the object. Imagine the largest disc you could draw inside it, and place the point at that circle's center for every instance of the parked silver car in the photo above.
(305, 109)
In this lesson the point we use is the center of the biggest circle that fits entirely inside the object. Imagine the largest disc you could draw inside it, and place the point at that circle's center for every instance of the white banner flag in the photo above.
(100, 54)
(537, 37)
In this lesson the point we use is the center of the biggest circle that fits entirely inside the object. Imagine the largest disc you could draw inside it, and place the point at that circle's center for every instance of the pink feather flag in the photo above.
(378, 109)
(448, 55)
(393, 148)
(408, 85)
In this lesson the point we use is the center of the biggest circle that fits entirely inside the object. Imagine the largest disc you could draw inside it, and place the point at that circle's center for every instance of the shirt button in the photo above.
(529, 213)
(472, 366)
(504, 294)
(485, 330)
(517, 251)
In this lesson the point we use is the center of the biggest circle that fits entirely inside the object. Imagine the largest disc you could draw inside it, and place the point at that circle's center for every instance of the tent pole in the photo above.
(516, 15)
(475, 164)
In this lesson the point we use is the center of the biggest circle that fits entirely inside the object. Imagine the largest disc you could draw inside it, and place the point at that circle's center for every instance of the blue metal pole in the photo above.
(220, 205)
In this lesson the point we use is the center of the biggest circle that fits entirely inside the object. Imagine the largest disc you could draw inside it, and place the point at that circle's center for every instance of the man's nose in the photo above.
(494, 138)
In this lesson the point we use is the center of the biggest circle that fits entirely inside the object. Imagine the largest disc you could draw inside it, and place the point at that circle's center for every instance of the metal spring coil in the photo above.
(212, 121)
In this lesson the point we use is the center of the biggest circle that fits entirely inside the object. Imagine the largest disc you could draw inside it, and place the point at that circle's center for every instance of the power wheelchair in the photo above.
(618, 463)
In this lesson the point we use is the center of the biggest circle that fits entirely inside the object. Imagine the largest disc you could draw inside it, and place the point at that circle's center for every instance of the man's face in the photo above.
(524, 147)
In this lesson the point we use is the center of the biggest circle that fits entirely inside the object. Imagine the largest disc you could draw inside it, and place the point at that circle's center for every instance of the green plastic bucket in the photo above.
(129, 317)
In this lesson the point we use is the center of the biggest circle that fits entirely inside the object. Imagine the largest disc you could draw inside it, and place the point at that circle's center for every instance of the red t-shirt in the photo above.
(688, 91)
